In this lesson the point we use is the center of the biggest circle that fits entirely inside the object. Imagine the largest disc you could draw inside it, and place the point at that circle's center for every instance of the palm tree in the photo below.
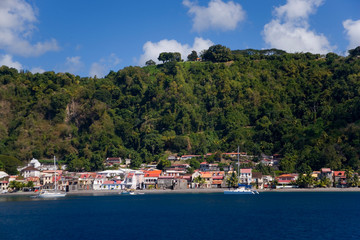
(232, 181)
(199, 180)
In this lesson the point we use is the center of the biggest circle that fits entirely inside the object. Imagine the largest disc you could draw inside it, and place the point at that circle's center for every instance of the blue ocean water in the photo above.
(326, 215)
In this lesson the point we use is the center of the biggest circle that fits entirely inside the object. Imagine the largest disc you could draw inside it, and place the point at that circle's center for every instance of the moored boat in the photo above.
(241, 191)
(54, 193)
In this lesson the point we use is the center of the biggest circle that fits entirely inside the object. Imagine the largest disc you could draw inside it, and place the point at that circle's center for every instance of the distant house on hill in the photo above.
(113, 161)
(187, 157)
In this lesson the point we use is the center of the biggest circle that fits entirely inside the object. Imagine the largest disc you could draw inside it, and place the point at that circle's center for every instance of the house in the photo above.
(339, 179)
(34, 180)
(180, 183)
(188, 178)
(287, 179)
(134, 180)
(112, 173)
(267, 181)
(326, 173)
(267, 162)
(112, 161)
(86, 181)
(207, 176)
(205, 167)
(30, 171)
(218, 179)
(172, 158)
(245, 176)
(174, 171)
(46, 180)
(4, 185)
(166, 182)
(111, 185)
(98, 182)
(187, 157)
(257, 180)
(151, 178)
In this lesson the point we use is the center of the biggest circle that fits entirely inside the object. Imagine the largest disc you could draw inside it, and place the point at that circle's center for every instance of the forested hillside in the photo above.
(303, 106)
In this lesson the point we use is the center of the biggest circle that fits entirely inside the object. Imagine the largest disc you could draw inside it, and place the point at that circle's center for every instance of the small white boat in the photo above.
(241, 191)
(52, 193)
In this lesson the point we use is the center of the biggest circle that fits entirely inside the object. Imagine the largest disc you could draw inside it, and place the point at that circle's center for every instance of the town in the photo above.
(179, 175)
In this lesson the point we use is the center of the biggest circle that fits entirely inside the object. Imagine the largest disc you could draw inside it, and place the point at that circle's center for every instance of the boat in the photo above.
(242, 189)
(128, 192)
(52, 193)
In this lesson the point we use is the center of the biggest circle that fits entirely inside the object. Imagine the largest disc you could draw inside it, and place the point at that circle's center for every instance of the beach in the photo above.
(187, 191)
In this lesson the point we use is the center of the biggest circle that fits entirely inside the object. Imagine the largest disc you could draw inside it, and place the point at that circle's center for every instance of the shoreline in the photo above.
(188, 191)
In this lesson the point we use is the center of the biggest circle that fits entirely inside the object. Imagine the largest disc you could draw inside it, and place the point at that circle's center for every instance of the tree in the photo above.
(150, 63)
(163, 164)
(354, 52)
(199, 180)
(217, 53)
(169, 57)
(232, 180)
(10, 164)
(193, 56)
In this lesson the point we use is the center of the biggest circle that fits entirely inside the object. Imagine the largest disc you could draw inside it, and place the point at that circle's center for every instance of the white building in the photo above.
(34, 163)
(30, 172)
(245, 175)
(134, 180)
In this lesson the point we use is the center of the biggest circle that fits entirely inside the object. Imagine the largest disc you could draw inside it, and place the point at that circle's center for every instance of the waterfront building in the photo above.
(30, 171)
(245, 176)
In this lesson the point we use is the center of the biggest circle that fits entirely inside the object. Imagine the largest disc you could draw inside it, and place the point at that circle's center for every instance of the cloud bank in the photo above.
(352, 29)
(217, 15)
(8, 61)
(104, 65)
(290, 29)
(17, 19)
(152, 50)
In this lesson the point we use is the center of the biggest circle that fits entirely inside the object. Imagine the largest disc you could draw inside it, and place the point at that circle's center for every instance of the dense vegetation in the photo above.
(303, 106)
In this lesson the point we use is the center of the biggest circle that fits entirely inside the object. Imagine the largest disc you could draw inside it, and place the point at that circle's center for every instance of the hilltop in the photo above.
(303, 106)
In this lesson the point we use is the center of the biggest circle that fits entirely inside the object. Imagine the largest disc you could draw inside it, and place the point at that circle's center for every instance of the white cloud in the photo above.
(102, 67)
(290, 28)
(37, 70)
(352, 29)
(73, 64)
(8, 61)
(152, 50)
(217, 15)
(17, 19)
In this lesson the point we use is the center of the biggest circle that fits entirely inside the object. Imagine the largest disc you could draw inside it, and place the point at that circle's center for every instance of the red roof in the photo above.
(218, 177)
(339, 173)
(166, 177)
(112, 182)
(245, 170)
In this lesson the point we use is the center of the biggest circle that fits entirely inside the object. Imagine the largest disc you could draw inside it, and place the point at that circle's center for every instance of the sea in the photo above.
(268, 215)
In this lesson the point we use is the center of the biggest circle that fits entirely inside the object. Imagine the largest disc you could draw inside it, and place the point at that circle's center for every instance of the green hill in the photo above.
(303, 106)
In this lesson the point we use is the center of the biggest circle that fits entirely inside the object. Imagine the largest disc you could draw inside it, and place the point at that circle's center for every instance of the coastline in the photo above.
(187, 191)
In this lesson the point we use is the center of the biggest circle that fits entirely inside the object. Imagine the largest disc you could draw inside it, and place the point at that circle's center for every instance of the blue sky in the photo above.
(91, 37)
